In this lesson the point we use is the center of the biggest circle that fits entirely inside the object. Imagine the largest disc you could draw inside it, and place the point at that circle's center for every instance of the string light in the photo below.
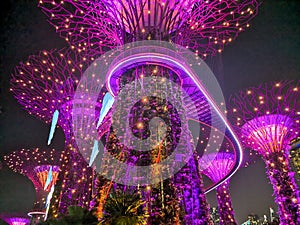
(216, 166)
(109, 26)
(268, 130)
(35, 165)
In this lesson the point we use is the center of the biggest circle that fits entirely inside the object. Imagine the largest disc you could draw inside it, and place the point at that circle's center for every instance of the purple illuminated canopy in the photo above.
(26, 161)
(216, 165)
(16, 220)
(46, 82)
(204, 26)
(267, 118)
(268, 115)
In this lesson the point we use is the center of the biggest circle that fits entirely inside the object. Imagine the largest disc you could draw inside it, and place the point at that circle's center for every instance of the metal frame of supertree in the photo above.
(267, 118)
(28, 162)
(44, 84)
(215, 166)
(203, 26)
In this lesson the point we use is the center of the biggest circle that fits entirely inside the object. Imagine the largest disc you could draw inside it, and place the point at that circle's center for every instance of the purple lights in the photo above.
(267, 117)
(269, 133)
(143, 18)
(203, 26)
(216, 166)
(16, 220)
(47, 175)
(26, 162)
(92, 96)
(47, 82)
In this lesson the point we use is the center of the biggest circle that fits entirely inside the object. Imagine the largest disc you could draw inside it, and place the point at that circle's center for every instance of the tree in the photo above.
(124, 209)
(76, 216)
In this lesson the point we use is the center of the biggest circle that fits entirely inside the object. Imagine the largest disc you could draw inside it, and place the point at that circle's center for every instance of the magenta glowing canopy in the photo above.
(268, 115)
(16, 220)
(29, 163)
(203, 26)
(46, 82)
(216, 165)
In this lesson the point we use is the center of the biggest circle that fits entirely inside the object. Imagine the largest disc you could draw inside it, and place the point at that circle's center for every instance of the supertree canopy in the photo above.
(203, 26)
(41, 167)
(215, 166)
(46, 83)
(267, 118)
(13, 220)
(45, 86)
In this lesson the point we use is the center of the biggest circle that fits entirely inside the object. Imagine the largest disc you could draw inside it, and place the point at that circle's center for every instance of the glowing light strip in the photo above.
(49, 197)
(94, 153)
(108, 101)
(53, 126)
(36, 213)
(147, 56)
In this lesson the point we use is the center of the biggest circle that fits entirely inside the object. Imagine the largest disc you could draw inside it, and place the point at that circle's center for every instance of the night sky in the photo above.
(268, 50)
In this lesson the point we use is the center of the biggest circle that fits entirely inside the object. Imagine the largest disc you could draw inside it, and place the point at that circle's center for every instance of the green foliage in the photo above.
(76, 216)
(124, 209)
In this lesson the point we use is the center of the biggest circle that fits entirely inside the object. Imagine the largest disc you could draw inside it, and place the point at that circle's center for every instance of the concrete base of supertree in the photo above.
(285, 189)
(225, 205)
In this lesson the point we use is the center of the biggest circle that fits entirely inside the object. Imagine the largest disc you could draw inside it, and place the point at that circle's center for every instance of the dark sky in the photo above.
(268, 50)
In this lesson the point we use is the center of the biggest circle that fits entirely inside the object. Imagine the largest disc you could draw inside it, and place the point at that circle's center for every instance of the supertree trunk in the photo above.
(285, 189)
(225, 205)
(74, 185)
(190, 183)
(180, 199)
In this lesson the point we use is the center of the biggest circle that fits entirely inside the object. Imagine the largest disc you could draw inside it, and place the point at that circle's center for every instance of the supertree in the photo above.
(41, 167)
(45, 85)
(162, 197)
(130, 88)
(15, 220)
(295, 158)
(215, 166)
(95, 26)
(267, 119)
(203, 26)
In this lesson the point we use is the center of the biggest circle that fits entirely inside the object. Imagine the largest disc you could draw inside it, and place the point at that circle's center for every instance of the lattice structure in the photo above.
(46, 82)
(216, 166)
(267, 118)
(203, 26)
(43, 85)
(27, 162)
